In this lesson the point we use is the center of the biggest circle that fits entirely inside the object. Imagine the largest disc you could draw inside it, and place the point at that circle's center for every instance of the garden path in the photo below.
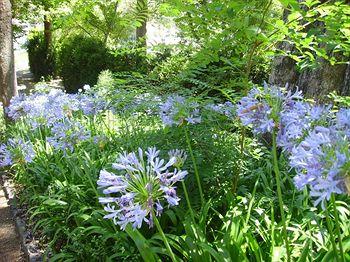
(25, 81)
(10, 247)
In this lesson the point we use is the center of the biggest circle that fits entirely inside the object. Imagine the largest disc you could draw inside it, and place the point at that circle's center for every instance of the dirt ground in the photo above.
(10, 250)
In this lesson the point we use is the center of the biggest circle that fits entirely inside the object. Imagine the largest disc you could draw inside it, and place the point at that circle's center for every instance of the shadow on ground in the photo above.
(25, 81)
(10, 248)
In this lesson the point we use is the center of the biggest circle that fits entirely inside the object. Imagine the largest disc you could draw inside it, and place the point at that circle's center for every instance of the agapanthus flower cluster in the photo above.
(16, 150)
(296, 121)
(140, 187)
(177, 110)
(274, 108)
(66, 134)
(146, 103)
(48, 108)
(316, 141)
(252, 111)
(262, 108)
(322, 161)
(179, 155)
(5, 156)
(343, 121)
(91, 104)
(227, 109)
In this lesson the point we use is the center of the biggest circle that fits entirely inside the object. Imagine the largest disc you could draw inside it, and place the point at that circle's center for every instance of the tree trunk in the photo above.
(8, 87)
(141, 32)
(47, 32)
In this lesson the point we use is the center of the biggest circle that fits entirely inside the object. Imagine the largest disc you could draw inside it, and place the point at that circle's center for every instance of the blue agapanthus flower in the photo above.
(66, 134)
(296, 119)
(317, 141)
(322, 161)
(262, 109)
(227, 109)
(256, 112)
(45, 109)
(146, 103)
(343, 121)
(16, 151)
(274, 108)
(177, 110)
(36, 105)
(141, 185)
(5, 156)
(91, 104)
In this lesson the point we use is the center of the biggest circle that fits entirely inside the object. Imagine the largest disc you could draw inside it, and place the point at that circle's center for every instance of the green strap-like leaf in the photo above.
(141, 243)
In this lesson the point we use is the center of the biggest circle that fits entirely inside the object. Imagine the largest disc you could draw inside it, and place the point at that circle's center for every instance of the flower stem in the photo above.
(337, 228)
(188, 200)
(279, 192)
(330, 231)
(239, 168)
(272, 226)
(160, 230)
(194, 165)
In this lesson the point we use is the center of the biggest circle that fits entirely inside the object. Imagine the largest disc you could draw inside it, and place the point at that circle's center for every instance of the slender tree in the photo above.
(8, 87)
(141, 31)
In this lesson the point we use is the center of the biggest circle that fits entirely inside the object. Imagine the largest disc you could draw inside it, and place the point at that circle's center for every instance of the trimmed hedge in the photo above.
(81, 59)
(41, 59)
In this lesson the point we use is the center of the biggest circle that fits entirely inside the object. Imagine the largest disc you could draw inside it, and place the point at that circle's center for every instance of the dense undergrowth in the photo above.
(64, 154)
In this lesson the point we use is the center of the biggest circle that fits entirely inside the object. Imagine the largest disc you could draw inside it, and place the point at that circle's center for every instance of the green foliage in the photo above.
(317, 31)
(104, 20)
(170, 67)
(2, 123)
(41, 57)
(131, 58)
(227, 38)
(340, 101)
(236, 223)
(80, 61)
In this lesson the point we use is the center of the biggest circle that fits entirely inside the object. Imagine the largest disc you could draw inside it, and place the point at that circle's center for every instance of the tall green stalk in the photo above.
(160, 230)
(279, 192)
(239, 169)
(330, 231)
(306, 205)
(337, 228)
(194, 164)
(188, 200)
(272, 226)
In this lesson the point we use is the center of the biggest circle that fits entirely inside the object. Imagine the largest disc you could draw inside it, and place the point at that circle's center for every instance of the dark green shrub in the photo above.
(81, 59)
(41, 58)
(131, 58)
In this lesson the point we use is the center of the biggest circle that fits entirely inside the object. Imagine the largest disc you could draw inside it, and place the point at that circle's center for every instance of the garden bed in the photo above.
(30, 246)
(118, 174)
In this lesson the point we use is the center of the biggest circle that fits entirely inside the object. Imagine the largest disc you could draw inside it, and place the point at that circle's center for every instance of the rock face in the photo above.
(7, 68)
(283, 68)
(315, 83)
